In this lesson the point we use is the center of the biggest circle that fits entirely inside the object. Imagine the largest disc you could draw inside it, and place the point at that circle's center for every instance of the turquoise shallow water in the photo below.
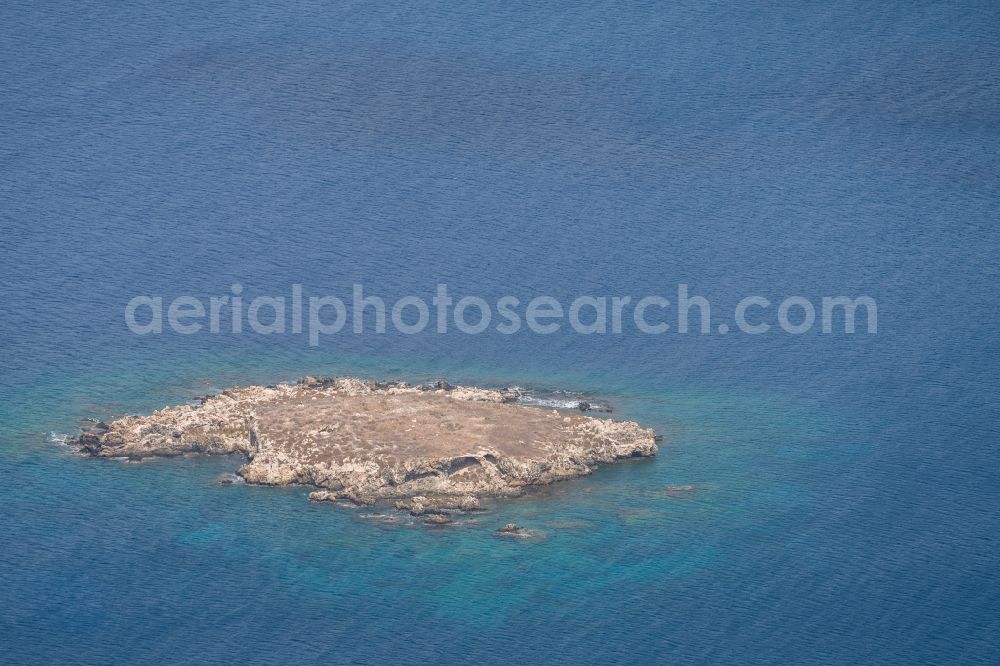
(847, 500)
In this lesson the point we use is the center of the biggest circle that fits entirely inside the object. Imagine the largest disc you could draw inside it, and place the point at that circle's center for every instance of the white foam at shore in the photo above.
(549, 402)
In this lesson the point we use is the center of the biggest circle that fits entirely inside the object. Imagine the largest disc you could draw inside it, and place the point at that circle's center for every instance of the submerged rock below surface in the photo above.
(432, 450)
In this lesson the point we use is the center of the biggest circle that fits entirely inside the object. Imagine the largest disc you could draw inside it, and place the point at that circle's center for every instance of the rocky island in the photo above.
(427, 449)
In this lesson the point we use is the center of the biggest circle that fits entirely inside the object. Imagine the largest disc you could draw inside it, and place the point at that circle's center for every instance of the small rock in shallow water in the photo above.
(515, 530)
(419, 505)
(438, 519)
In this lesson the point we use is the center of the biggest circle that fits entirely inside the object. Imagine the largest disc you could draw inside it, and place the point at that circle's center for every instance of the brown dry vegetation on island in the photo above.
(427, 448)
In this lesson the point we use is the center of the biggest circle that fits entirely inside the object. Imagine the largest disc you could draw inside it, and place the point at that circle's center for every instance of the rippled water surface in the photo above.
(843, 503)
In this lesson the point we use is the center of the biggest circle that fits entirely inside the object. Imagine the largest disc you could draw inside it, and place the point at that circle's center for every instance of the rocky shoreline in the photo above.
(429, 450)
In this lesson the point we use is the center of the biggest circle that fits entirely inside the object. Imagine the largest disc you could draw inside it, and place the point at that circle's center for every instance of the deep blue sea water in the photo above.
(848, 503)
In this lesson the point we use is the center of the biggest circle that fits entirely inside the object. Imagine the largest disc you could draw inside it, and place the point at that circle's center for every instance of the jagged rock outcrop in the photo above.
(432, 449)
